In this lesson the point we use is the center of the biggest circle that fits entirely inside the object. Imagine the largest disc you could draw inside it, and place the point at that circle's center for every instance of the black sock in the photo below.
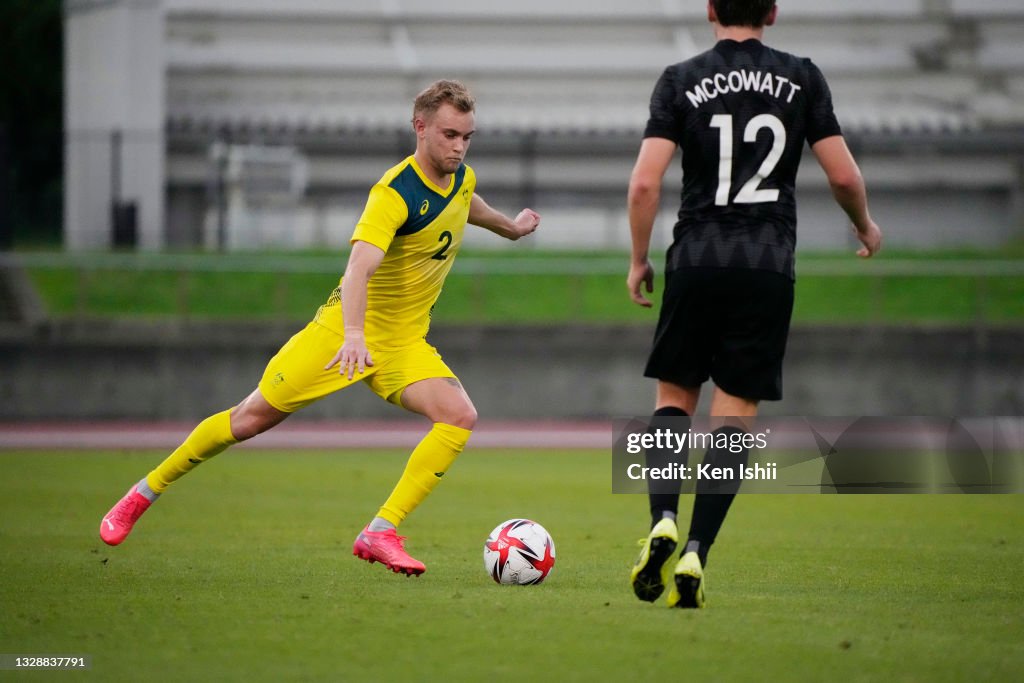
(664, 494)
(713, 499)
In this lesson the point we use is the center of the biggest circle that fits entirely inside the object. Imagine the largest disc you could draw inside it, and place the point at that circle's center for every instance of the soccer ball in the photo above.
(519, 552)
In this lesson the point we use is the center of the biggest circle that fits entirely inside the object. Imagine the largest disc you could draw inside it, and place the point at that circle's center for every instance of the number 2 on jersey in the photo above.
(749, 193)
(445, 237)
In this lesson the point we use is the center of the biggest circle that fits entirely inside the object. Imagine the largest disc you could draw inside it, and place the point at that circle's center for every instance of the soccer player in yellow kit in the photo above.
(372, 328)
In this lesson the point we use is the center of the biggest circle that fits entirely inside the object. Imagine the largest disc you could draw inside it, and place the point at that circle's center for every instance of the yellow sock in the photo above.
(210, 437)
(427, 464)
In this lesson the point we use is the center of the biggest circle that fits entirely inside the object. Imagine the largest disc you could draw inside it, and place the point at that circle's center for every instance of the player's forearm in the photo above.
(362, 264)
(644, 197)
(498, 223)
(851, 195)
(845, 179)
(482, 215)
(353, 303)
(643, 202)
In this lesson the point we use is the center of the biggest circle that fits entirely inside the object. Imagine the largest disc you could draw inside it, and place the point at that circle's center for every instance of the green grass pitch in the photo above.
(244, 572)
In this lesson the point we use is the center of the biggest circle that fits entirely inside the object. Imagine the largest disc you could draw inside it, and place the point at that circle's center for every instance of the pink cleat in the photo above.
(118, 523)
(386, 547)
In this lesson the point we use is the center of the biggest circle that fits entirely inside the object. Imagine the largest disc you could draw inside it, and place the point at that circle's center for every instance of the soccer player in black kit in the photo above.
(741, 113)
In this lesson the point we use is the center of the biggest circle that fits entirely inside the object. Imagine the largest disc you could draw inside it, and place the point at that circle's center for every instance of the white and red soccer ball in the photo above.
(519, 552)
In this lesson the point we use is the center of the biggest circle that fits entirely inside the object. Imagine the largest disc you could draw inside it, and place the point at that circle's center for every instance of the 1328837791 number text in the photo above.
(10, 662)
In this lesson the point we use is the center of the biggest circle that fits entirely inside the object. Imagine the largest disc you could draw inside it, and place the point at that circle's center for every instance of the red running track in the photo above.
(298, 434)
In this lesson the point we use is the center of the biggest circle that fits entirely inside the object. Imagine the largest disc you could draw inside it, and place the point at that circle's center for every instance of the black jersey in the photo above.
(740, 112)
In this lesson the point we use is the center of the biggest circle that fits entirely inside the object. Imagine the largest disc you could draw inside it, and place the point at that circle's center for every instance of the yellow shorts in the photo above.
(295, 376)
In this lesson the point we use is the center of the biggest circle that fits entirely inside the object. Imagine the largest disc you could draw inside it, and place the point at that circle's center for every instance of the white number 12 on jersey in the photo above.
(749, 193)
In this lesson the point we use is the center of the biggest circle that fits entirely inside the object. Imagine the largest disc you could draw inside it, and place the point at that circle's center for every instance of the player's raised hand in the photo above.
(640, 274)
(871, 238)
(526, 222)
(351, 357)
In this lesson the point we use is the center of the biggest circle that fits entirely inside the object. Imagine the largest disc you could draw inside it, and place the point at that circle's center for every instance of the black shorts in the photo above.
(727, 324)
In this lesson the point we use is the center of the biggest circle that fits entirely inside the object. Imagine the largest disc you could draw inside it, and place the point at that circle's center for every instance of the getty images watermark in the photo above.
(818, 455)
(674, 442)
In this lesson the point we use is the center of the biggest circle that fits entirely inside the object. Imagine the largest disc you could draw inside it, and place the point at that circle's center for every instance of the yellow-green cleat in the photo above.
(688, 584)
(649, 576)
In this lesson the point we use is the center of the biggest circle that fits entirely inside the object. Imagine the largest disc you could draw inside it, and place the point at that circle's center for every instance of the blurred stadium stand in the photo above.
(170, 102)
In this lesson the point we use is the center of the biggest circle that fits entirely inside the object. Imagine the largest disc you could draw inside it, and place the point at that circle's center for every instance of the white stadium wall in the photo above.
(115, 72)
(931, 95)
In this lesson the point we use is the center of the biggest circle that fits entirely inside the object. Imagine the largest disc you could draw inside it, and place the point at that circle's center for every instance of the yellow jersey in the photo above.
(419, 227)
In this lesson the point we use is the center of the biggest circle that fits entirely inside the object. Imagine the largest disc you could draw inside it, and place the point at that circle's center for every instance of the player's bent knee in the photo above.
(460, 414)
(254, 416)
(465, 417)
(245, 428)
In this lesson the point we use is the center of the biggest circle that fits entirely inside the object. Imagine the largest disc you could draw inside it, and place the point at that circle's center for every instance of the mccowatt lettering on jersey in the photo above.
(742, 80)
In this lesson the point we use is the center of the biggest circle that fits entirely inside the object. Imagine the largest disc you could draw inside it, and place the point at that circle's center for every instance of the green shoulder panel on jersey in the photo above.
(424, 204)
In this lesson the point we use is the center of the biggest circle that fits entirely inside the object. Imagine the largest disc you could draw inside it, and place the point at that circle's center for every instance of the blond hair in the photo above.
(442, 92)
